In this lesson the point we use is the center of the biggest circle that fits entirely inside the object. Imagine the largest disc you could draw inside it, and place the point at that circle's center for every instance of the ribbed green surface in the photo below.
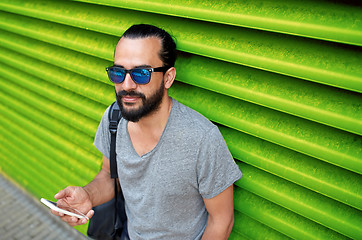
(282, 79)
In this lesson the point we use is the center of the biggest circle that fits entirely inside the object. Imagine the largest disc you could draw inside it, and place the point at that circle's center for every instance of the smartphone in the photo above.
(66, 210)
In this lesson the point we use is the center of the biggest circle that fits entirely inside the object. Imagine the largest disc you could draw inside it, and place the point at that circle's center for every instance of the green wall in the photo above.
(282, 79)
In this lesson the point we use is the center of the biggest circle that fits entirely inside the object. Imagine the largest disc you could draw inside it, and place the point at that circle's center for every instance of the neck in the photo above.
(156, 121)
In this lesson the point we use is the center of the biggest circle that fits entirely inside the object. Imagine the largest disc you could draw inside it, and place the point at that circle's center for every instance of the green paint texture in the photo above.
(281, 79)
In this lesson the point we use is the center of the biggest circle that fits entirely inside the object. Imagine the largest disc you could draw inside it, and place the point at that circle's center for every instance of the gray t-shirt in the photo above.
(164, 189)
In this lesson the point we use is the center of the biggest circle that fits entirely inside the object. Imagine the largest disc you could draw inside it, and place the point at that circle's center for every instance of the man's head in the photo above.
(149, 48)
(168, 45)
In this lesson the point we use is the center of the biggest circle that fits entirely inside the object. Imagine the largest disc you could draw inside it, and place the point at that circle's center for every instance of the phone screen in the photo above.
(69, 209)
(63, 209)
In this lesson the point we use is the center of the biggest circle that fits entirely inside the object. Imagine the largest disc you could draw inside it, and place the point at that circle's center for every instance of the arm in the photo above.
(98, 191)
(101, 189)
(221, 215)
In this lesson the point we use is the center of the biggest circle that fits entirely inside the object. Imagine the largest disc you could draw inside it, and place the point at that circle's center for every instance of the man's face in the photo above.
(135, 100)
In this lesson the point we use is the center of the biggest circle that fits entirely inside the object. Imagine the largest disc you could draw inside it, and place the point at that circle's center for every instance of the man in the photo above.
(174, 168)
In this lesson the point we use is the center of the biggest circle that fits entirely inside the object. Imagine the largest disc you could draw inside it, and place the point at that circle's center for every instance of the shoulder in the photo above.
(107, 115)
(104, 122)
(191, 119)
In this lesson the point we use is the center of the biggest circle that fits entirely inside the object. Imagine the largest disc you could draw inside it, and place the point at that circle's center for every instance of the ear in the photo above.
(169, 77)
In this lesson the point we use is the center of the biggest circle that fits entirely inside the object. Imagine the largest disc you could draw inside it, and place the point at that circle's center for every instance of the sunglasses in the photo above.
(139, 75)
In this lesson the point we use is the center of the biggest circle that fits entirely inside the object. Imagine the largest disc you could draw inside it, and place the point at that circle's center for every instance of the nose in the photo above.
(128, 84)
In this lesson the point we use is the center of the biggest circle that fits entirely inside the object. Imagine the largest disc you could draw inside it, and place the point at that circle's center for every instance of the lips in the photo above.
(130, 98)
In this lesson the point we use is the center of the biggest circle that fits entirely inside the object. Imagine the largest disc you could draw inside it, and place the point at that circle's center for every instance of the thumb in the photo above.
(63, 193)
(59, 195)
(89, 216)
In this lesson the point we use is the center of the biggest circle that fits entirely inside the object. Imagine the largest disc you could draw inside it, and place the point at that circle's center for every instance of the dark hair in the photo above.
(168, 45)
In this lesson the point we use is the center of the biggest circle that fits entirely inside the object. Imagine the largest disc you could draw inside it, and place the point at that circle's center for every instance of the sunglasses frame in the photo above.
(150, 70)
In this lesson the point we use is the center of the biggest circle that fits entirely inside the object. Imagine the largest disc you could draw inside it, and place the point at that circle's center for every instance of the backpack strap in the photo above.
(120, 218)
(114, 115)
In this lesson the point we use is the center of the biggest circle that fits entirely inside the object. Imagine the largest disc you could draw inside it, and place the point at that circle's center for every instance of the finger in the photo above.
(90, 214)
(85, 220)
(77, 221)
(56, 213)
(75, 224)
(72, 221)
(69, 219)
(60, 194)
(66, 192)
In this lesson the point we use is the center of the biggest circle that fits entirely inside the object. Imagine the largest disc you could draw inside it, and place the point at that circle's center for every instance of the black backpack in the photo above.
(109, 221)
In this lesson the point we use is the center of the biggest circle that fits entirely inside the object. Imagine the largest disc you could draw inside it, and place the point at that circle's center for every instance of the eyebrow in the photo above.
(139, 66)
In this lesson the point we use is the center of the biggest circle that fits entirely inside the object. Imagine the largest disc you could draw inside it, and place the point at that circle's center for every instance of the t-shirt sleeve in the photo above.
(103, 136)
(217, 169)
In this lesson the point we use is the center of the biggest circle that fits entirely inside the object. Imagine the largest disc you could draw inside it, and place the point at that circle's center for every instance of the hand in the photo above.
(75, 197)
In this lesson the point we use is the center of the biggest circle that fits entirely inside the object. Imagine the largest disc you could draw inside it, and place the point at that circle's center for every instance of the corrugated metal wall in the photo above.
(283, 80)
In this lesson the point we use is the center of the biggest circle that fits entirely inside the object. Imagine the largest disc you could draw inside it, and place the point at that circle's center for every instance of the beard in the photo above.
(149, 104)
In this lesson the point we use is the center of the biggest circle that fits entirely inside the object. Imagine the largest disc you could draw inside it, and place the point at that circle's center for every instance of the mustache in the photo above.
(130, 94)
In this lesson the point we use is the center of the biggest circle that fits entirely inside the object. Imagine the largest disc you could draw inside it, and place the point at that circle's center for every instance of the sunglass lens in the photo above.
(116, 75)
(141, 76)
